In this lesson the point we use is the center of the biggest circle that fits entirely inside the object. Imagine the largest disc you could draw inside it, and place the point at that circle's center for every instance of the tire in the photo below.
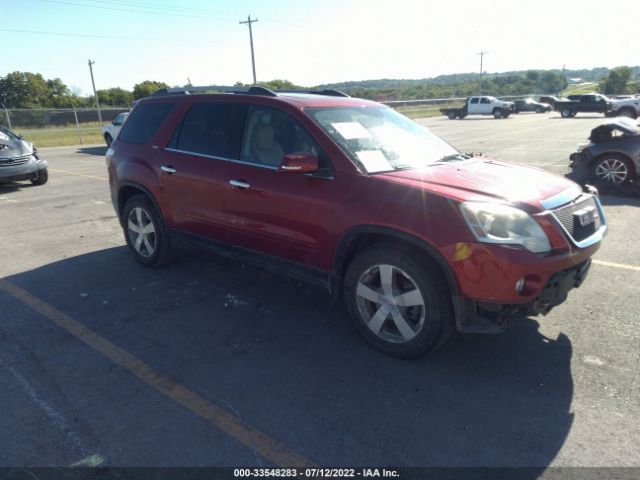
(497, 113)
(506, 115)
(400, 331)
(613, 169)
(566, 113)
(108, 139)
(628, 112)
(141, 219)
(40, 177)
(451, 115)
(539, 110)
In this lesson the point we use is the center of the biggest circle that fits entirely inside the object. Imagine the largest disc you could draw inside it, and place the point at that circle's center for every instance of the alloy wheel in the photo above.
(142, 232)
(612, 170)
(390, 303)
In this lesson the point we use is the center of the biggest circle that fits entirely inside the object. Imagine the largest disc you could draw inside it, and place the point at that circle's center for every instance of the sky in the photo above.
(307, 42)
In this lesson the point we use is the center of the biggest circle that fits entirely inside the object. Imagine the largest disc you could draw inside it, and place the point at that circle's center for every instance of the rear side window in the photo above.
(474, 100)
(144, 121)
(213, 129)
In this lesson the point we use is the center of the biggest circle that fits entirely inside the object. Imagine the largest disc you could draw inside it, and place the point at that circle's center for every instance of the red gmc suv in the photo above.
(420, 239)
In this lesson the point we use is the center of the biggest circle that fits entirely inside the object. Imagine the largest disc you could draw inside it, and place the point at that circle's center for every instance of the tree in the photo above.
(23, 90)
(616, 81)
(146, 88)
(115, 97)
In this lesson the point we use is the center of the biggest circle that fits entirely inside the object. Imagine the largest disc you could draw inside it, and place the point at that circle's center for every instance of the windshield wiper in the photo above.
(452, 157)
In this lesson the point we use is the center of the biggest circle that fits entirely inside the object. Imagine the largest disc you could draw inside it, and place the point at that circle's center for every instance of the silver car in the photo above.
(19, 160)
(612, 158)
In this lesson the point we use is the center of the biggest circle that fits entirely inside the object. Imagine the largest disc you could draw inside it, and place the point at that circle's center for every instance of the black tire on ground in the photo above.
(40, 177)
(451, 115)
(154, 249)
(539, 110)
(619, 168)
(506, 115)
(566, 113)
(497, 113)
(628, 112)
(426, 326)
(108, 139)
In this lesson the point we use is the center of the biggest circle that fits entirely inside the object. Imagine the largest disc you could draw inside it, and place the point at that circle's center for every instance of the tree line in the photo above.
(32, 90)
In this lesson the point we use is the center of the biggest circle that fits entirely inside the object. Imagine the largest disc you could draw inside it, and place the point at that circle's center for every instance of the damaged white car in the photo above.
(19, 160)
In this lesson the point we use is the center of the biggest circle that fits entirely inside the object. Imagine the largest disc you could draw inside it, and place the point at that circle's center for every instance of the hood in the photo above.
(12, 147)
(623, 124)
(484, 179)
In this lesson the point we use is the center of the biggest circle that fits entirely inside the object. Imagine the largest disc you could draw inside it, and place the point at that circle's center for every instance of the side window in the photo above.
(270, 134)
(485, 100)
(144, 121)
(474, 100)
(119, 120)
(211, 129)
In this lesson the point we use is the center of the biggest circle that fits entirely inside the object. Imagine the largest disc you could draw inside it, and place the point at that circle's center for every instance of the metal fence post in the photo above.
(6, 112)
(75, 114)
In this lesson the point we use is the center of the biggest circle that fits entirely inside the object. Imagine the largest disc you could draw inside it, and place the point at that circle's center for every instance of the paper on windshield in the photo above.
(374, 161)
(351, 130)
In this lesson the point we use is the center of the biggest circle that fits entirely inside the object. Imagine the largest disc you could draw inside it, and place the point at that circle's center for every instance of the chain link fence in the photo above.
(59, 126)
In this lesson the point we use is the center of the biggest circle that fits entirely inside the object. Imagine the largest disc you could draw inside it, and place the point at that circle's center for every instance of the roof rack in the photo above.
(254, 90)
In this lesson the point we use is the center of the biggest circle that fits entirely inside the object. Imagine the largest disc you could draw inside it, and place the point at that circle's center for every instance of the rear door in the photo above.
(194, 167)
(473, 106)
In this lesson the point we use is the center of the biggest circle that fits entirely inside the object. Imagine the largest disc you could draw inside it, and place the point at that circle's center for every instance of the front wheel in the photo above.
(40, 177)
(398, 301)
(613, 169)
(497, 113)
(108, 140)
(145, 232)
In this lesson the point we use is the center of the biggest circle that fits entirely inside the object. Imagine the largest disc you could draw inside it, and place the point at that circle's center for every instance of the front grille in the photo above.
(565, 216)
(12, 162)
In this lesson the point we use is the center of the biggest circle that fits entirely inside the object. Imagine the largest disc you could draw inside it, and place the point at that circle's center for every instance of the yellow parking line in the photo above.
(618, 265)
(78, 174)
(267, 446)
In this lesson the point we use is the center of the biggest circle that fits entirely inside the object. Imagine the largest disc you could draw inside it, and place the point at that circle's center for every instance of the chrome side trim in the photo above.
(561, 198)
(232, 160)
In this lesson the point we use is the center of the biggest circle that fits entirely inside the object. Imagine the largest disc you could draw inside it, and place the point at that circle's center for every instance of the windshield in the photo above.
(7, 135)
(379, 139)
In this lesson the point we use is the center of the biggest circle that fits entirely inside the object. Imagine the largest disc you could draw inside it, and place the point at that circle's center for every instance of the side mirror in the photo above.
(302, 162)
(114, 123)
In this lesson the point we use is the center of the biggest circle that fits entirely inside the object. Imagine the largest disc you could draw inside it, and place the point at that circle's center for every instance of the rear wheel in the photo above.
(40, 177)
(145, 232)
(398, 301)
(451, 115)
(566, 113)
(613, 169)
(539, 110)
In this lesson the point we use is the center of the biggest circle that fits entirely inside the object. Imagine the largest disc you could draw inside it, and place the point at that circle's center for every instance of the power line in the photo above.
(249, 21)
(160, 6)
(150, 12)
(105, 37)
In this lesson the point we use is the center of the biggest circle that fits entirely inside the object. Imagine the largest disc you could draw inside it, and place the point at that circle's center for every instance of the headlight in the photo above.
(502, 224)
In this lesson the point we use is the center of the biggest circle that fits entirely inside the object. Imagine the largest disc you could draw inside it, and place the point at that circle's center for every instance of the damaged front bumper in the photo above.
(483, 317)
(10, 171)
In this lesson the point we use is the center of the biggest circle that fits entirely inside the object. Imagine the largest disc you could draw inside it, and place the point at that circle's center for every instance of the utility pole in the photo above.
(482, 53)
(249, 21)
(94, 90)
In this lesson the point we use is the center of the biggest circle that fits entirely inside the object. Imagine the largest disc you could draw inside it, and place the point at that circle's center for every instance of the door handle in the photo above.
(168, 169)
(239, 183)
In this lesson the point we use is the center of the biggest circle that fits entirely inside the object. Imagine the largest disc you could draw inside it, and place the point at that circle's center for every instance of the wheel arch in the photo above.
(130, 189)
(358, 238)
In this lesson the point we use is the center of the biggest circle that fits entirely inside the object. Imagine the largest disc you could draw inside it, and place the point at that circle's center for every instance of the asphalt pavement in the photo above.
(210, 362)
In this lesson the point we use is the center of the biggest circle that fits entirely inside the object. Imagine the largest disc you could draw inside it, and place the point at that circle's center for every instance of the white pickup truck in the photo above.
(110, 132)
(628, 107)
(481, 106)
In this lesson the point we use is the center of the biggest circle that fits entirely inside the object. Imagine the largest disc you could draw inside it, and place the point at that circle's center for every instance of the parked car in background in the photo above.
(530, 105)
(19, 160)
(626, 107)
(480, 106)
(550, 100)
(419, 239)
(612, 157)
(592, 103)
(110, 132)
